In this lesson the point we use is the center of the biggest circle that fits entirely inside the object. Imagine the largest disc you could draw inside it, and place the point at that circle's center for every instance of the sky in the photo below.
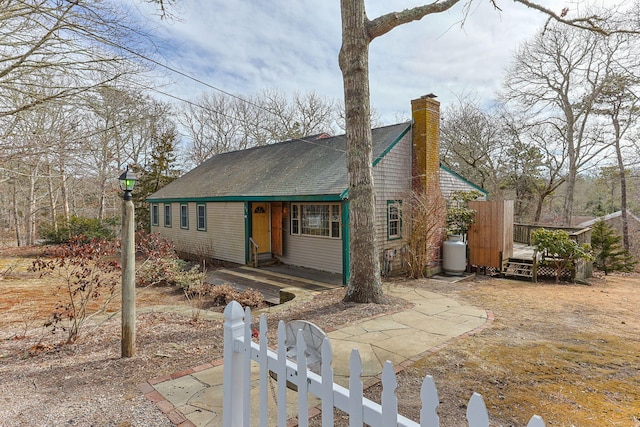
(245, 46)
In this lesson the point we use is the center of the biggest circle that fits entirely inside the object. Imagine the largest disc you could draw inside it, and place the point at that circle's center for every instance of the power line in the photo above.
(181, 73)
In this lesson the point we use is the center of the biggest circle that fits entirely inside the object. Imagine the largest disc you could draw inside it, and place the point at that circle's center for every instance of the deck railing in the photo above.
(522, 233)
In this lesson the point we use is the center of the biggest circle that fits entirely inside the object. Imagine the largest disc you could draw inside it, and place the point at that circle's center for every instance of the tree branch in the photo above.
(591, 23)
(385, 23)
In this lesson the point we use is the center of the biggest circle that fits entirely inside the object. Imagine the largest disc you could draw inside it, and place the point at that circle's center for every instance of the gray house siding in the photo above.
(223, 238)
(451, 181)
(392, 179)
(320, 253)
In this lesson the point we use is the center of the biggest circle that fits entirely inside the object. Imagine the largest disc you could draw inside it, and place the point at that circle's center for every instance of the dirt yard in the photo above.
(569, 353)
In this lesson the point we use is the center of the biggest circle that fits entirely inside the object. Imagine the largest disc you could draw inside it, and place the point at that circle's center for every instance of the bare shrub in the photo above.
(161, 265)
(426, 214)
(221, 295)
(91, 275)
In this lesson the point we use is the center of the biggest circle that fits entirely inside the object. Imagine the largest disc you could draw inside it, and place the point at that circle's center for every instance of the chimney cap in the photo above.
(429, 95)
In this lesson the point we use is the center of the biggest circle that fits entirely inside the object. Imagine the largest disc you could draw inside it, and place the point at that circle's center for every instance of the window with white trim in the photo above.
(394, 219)
(201, 217)
(154, 214)
(312, 219)
(167, 215)
(184, 216)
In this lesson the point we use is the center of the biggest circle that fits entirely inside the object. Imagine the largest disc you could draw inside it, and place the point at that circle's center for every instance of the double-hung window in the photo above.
(184, 216)
(167, 215)
(201, 216)
(154, 214)
(394, 219)
(310, 219)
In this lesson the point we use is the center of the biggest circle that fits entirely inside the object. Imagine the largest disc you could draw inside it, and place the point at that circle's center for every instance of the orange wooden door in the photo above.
(276, 228)
(260, 226)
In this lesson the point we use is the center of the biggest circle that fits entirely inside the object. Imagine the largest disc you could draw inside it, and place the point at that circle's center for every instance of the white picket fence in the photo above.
(240, 350)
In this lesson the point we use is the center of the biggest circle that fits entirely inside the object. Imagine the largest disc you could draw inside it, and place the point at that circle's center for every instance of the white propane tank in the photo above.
(454, 256)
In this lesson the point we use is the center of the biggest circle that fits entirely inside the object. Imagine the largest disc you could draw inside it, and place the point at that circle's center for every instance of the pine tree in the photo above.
(609, 253)
(158, 173)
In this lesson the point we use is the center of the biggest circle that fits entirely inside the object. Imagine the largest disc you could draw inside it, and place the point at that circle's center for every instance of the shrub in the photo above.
(426, 215)
(558, 249)
(90, 274)
(161, 266)
(79, 229)
(224, 294)
(609, 253)
(459, 216)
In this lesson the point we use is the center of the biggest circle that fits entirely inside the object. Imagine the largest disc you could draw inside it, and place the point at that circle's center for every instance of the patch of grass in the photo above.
(590, 379)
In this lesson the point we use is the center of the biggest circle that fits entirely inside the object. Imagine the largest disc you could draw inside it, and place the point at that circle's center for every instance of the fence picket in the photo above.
(282, 376)
(264, 372)
(536, 421)
(389, 399)
(246, 366)
(327, 383)
(429, 398)
(477, 412)
(301, 359)
(232, 369)
(355, 390)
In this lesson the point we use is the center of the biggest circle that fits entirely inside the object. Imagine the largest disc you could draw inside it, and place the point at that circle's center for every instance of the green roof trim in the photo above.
(461, 178)
(390, 147)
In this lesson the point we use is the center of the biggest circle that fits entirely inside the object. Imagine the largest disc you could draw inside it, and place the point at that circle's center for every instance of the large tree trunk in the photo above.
(53, 208)
(365, 284)
(64, 192)
(623, 184)
(16, 215)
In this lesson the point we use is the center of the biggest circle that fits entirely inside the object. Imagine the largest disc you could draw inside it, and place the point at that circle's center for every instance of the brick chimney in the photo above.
(425, 112)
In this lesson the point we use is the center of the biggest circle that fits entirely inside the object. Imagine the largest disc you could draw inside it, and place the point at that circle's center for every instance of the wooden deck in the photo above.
(270, 279)
(522, 251)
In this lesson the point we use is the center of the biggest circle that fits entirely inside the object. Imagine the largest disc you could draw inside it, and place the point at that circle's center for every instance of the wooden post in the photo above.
(128, 343)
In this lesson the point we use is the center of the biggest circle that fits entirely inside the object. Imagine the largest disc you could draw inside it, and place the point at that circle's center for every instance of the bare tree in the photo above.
(218, 122)
(121, 124)
(557, 77)
(78, 44)
(358, 31)
(473, 144)
(620, 103)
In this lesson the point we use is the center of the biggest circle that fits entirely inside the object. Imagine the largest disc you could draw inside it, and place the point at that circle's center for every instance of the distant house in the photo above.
(614, 220)
(291, 201)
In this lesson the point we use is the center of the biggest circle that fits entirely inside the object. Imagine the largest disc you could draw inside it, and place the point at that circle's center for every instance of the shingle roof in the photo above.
(299, 167)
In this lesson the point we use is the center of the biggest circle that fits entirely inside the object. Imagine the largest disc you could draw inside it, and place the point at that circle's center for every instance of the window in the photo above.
(154, 214)
(201, 215)
(295, 219)
(184, 216)
(394, 219)
(316, 220)
(167, 215)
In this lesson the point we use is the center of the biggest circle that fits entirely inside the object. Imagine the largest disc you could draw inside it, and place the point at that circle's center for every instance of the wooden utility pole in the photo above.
(128, 279)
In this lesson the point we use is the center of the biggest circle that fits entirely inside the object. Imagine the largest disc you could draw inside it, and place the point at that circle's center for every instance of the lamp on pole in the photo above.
(128, 342)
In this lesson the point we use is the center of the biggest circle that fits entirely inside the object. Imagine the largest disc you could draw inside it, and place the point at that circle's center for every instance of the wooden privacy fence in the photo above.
(240, 350)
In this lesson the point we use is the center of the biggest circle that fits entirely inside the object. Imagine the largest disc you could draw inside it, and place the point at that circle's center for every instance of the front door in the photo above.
(260, 223)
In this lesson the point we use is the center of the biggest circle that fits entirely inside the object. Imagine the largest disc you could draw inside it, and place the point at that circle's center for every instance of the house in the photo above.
(451, 181)
(614, 220)
(290, 201)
